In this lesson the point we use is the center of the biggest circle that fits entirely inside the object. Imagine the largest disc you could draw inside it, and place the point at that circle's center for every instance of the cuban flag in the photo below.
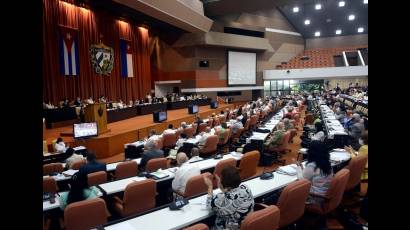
(127, 69)
(69, 62)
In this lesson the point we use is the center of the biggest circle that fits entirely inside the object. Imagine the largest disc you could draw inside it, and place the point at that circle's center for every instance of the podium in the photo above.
(97, 113)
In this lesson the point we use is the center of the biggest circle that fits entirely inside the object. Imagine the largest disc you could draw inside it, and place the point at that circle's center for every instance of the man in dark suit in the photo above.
(151, 152)
(92, 165)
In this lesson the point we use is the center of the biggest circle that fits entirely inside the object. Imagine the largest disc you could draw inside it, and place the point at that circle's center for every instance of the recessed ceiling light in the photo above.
(342, 3)
(351, 17)
(307, 22)
(317, 33)
(338, 31)
(365, 1)
(295, 9)
(318, 6)
(328, 20)
(360, 30)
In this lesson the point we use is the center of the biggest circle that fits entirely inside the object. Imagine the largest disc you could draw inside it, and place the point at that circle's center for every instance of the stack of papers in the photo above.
(159, 174)
(69, 172)
(339, 156)
(288, 170)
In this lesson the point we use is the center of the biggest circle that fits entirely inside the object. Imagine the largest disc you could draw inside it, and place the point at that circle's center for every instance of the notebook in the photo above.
(288, 170)
(159, 175)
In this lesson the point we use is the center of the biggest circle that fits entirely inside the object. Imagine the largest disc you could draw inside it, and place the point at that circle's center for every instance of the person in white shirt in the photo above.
(60, 146)
(237, 125)
(169, 130)
(183, 174)
(90, 100)
(204, 136)
(152, 138)
(195, 155)
(73, 158)
(120, 104)
(149, 98)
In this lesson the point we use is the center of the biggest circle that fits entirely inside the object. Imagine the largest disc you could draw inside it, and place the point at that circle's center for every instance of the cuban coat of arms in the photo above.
(102, 58)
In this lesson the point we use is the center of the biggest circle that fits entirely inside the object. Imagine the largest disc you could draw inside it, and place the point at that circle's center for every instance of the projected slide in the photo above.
(241, 68)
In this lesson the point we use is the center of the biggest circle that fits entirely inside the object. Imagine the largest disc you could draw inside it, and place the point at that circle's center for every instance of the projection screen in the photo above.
(241, 68)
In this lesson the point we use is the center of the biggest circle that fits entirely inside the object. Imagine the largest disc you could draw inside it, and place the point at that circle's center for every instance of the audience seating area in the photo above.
(317, 58)
(141, 196)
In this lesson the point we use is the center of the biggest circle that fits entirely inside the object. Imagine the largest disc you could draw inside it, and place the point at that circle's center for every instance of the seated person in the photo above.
(355, 127)
(234, 201)
(185, 172)
(195, 155)
(66, 103)
(181, 140)
(151, 151)
(184, 125)
(152, 137)
(170, 129)
(204, 136)
(78, 102)
(92, 165)
(198, 120)
(288, 124)
(220, 131)
(72, 157)
(363, 150)
(318, 171)
(244, 118)
(90, 100)
(276, 137)
(59, 146)
(79, 191)
(340, 114)
(236, 126)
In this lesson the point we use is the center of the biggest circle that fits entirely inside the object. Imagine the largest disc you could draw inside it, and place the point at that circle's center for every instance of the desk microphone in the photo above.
(266, 175)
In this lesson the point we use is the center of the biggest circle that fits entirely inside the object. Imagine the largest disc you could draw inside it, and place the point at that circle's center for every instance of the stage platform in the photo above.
(129, 130)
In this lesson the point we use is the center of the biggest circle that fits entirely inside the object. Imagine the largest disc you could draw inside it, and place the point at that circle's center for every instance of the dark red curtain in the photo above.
(93, 27)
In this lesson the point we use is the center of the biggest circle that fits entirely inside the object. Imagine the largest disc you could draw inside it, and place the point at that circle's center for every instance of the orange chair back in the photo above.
(50, 185)
(197, 227)
(189, 132)
(139, 197)
(52, 168)
(169, 140)
(267, 218)
(196, 185)
(249, 164)
(126, 169)
(86, 214)
(221, 165)
(202, 127)
(292, 201)
(211, 144)
(334, 193)
(97, 178)
(356, 166)
(77, 164)
(156, 163)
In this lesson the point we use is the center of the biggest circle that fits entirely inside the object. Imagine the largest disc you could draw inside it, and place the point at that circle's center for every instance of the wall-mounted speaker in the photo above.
(204, 63)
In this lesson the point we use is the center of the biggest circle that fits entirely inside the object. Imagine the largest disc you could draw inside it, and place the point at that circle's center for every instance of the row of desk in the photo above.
(71, 113)
(360, 106)
(196, 210)
(117, 186)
